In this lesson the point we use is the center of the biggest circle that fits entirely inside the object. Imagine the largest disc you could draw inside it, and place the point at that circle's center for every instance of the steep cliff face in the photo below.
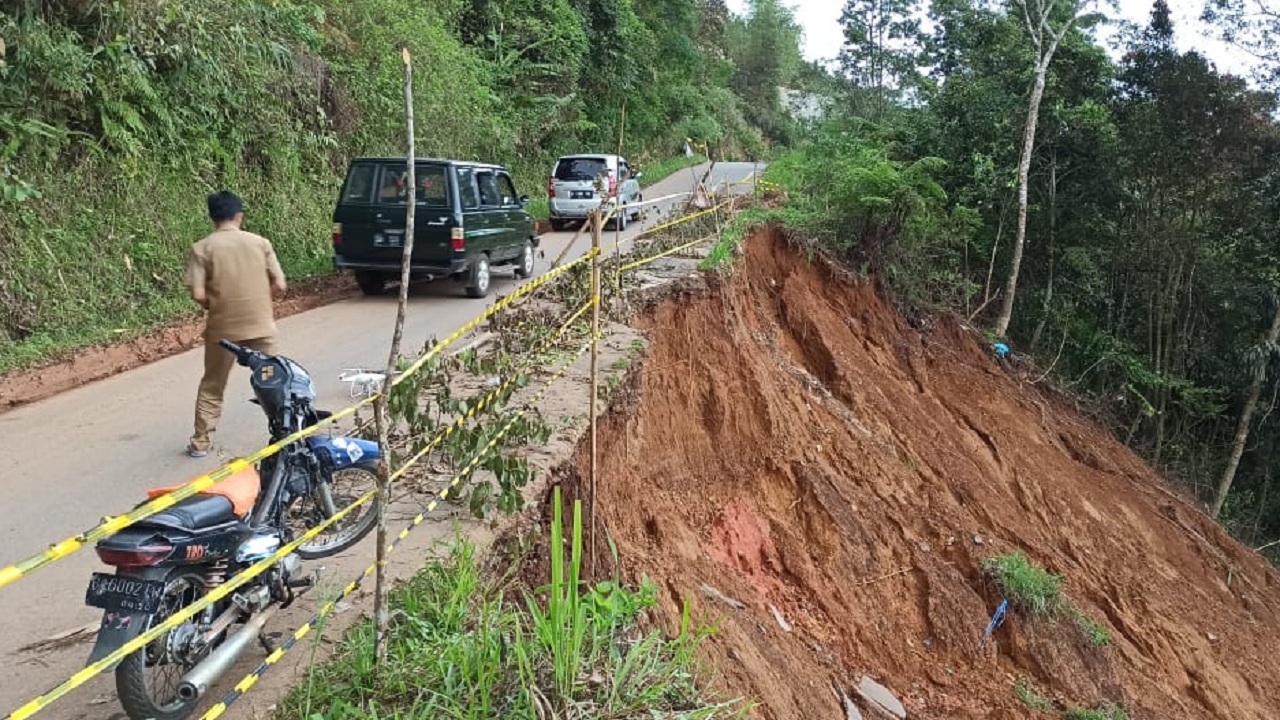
(794, 445)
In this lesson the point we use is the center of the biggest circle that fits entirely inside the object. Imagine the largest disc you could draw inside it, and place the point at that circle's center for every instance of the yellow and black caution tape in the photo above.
(112, 525)
(493, 395)
(664, 253)
(181, 616)
(248, 681)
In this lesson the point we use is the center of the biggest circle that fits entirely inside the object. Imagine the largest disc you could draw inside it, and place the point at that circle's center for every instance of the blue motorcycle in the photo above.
(169, 560)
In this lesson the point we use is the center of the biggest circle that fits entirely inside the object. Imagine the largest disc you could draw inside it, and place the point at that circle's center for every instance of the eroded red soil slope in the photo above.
(793, 442)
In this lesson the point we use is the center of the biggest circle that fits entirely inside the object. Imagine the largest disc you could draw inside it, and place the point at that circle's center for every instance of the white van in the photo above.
(571, 190)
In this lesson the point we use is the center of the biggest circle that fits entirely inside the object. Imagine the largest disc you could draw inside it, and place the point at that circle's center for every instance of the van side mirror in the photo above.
(637, 175)
(524, 201)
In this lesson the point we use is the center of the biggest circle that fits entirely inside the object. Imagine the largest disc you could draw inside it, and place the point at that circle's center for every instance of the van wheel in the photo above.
(620, 219)
(525, 267)
(371, 283)
(557, 225)
(639, 199)
(478, 285)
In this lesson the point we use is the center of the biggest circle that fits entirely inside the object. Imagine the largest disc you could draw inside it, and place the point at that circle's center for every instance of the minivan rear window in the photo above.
(359, 186)
(576, 169)
(432, 181)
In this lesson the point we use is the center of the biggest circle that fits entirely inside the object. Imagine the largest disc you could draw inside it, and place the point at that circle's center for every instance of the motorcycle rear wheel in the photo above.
(133, 684)
(346, 486)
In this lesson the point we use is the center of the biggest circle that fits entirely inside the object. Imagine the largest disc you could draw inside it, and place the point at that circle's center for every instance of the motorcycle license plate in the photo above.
(124, 594)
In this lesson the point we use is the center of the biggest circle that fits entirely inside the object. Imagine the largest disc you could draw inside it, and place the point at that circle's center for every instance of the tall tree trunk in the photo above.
(1246, 417)
(1053, 227)
(1024, 174)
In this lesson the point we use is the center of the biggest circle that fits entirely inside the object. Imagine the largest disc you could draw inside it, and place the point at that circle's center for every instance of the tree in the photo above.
(881, 49)
(1047, 22)
(1262, 356)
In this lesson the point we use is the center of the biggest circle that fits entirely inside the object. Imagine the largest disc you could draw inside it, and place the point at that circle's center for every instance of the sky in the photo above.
(820, 20)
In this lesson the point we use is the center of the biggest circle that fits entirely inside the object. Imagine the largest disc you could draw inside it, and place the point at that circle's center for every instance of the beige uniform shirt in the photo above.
(235, 266)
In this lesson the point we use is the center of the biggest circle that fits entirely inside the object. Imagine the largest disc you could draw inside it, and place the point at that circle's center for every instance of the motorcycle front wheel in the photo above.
(345, 487)
(147, 680)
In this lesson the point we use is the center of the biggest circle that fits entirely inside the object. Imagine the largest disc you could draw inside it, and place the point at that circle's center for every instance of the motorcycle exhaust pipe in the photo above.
(198, 679)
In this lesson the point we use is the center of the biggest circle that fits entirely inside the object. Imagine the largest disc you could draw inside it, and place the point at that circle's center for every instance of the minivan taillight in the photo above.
(337, 234)
(551, 187)
(146, 556)
(458, 239)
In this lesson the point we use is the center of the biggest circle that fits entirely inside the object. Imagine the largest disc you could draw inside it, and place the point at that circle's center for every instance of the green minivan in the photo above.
(468, 219)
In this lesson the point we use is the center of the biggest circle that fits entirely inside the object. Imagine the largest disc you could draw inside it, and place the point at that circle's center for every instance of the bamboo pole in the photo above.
(617, 225)
(596, 231)
(381, 615)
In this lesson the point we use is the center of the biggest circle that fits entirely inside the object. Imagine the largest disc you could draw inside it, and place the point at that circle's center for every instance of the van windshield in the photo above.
(579, 169)
(433, 189)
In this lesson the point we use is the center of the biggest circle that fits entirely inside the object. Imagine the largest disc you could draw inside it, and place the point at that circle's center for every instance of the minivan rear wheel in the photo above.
(370, 282)
(478, 283)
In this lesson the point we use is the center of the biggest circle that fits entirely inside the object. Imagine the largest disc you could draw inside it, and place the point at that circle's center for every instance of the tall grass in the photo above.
(461, 648)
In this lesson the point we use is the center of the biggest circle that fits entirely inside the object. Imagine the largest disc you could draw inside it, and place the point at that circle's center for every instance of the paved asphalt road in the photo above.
(71, 459)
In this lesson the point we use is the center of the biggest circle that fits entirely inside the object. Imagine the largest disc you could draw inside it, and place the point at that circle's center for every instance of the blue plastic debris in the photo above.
(1001, 349)
(996, 621)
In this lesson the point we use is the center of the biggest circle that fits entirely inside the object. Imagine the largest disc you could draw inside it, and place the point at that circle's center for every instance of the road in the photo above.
(73, 458)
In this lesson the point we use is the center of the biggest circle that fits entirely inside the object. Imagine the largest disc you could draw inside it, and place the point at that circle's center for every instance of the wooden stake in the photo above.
(380, 613)
(597, 221)
(617, 226)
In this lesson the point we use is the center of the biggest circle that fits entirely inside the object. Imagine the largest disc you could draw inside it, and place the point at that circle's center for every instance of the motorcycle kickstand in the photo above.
(266, 643)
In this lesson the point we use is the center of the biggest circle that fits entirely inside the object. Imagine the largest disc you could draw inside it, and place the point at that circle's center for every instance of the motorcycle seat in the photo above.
(195, 513)
(225, 502)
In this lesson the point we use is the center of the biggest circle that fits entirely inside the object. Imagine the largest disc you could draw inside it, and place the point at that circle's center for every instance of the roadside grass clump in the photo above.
(1028, 586)
(1031, 697)
(1108, 711)
(1038, 592)
(465, 645)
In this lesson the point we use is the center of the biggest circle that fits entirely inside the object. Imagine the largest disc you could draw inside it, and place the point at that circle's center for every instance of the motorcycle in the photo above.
(167, 561)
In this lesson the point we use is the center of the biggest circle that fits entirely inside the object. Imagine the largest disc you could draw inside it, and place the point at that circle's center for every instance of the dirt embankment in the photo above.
(792, 442)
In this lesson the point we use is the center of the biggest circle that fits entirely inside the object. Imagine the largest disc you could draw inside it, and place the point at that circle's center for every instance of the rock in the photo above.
(880, 698)
(926, 547)
(1212, 638)
(715, 594)
(851, 711)
(782, 622)
(978, 540)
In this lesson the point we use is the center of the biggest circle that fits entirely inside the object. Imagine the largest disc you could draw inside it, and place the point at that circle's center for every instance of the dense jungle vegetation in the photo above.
(1147, 279)
(118, 117)
(1127, 240)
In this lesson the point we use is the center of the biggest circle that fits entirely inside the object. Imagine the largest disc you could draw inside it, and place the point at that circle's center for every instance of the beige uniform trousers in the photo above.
(217, 368)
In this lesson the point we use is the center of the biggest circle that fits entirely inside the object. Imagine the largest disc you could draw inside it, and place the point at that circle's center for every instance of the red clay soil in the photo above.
(793, 442)
(86, 365)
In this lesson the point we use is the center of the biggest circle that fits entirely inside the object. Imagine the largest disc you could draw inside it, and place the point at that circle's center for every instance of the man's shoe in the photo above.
(194, 453)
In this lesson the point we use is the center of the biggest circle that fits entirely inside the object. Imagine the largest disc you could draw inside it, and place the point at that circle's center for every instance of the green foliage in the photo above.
(1029, 696)
(116, 119)
(1028, 586)
(460, 646)
(1107, 711)
(1038, 592)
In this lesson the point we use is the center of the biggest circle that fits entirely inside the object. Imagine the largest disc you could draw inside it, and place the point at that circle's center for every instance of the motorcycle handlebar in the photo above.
(242, 354)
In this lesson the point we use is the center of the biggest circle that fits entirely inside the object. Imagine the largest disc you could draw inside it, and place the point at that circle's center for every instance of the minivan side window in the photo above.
(359, 187)
(508, 190)
(489, 196)
(432, 190)
(467, 188)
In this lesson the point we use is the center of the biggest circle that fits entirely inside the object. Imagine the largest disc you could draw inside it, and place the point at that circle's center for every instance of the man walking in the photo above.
(231, 274)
